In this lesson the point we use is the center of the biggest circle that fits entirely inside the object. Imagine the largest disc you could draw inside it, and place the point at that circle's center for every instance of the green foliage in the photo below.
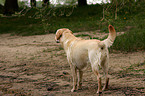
(22, 4)
(68, 16)
(2, 2)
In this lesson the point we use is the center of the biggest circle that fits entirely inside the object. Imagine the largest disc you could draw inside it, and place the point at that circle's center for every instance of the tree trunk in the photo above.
(82, 3)
(33, 3)
(10, 7)
(45, 2)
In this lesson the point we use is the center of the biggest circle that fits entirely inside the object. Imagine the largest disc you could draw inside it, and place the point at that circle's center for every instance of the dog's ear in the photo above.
(58, 35)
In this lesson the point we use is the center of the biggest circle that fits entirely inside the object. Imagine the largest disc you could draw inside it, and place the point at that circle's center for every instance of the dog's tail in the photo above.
(112, 35)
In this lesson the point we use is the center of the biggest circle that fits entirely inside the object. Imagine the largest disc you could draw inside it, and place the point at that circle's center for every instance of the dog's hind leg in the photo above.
(95, 62)
(96, 72)
(80, 75)
(106, 84)
(104, 65)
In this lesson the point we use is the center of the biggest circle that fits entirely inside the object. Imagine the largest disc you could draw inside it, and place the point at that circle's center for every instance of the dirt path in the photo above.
(36, 65)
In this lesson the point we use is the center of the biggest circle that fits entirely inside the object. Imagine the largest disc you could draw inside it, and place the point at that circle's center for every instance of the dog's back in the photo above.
(85, 51)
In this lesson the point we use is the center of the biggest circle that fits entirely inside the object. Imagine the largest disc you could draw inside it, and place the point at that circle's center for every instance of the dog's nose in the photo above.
(57, 41)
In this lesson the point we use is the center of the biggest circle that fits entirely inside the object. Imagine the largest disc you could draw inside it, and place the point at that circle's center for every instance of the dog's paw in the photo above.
(105, 88)
(79, 88)
(73, 90)
(99, 92)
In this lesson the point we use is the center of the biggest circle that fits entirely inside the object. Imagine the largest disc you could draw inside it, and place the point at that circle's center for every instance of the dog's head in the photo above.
(60, 33)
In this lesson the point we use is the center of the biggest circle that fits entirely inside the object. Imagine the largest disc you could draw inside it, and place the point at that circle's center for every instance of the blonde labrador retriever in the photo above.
(80, 52)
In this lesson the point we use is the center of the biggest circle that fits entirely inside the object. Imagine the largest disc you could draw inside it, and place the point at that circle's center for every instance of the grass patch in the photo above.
(130, 41)
(133, 39)
(21, 26)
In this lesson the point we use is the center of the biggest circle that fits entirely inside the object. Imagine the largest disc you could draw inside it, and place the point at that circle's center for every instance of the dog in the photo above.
(80, 52)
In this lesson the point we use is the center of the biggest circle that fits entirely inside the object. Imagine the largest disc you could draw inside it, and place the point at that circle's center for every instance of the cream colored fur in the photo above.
(80, 52)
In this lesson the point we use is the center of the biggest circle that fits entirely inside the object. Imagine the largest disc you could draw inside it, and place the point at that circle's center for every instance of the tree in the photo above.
(82, 3)
(33, 3)
(10, 7)
(45, 2)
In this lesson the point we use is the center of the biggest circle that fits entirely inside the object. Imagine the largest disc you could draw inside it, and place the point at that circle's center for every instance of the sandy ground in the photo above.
(37, 66)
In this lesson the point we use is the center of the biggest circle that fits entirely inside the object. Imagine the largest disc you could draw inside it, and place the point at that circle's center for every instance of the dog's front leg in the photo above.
(80, 75)
(74, 75)
(73, 71)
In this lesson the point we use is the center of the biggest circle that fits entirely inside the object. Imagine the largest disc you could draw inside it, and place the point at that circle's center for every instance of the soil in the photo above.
(37, 66)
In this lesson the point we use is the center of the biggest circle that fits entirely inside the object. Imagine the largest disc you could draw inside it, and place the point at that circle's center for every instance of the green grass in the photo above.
(133, 39)
(20, 26)
(86, 18)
